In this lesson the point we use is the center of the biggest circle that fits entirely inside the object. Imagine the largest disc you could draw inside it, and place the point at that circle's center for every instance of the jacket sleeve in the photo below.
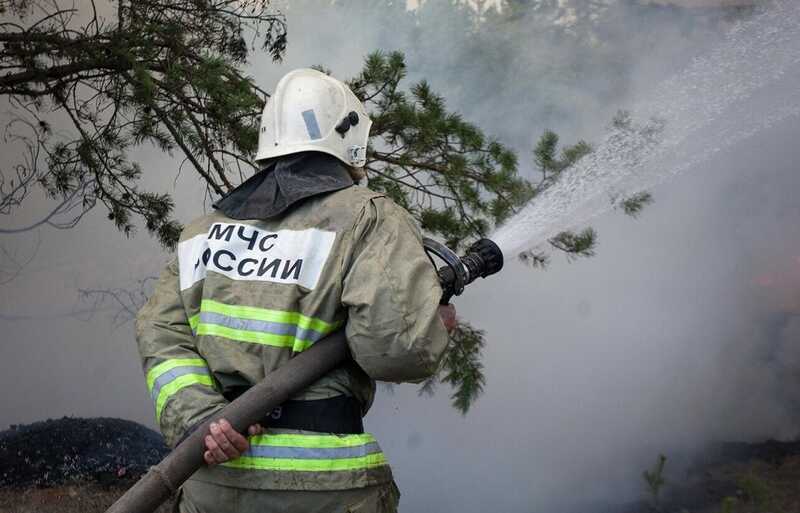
(178, 378)
(392, 294)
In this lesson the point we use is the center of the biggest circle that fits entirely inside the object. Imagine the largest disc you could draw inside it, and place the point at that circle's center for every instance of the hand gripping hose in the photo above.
(298, 373)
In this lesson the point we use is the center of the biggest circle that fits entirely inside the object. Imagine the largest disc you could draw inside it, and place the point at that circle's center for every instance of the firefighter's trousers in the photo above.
(202, 497)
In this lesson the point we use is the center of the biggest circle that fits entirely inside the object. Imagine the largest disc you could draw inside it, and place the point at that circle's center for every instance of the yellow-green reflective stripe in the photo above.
(326, 465)
(181, 382)
(255, 337)
(312, 441)
(193, 320)
(263, 314)
(161, 368)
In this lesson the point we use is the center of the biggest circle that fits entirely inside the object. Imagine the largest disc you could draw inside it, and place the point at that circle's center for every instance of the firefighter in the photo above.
(295, 252)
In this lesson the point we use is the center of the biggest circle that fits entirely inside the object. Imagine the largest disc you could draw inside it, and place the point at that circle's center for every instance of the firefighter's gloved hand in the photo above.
(224, 443)
(448, 315)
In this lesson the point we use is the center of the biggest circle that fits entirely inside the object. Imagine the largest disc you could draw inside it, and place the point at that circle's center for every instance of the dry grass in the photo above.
(83, 498)
(761, 487)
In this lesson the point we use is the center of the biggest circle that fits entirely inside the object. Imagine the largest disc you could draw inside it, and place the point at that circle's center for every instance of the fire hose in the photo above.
(482, 259)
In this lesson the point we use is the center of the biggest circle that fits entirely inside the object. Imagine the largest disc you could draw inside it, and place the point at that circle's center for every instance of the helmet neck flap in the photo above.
(284, 182)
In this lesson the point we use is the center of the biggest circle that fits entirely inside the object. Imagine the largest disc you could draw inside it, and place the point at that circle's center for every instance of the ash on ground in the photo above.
(68, 450)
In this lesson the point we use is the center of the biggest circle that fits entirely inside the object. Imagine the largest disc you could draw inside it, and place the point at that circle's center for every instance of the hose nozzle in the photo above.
(483, 258)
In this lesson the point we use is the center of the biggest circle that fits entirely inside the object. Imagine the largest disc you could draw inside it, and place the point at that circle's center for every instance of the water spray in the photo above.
(719, 100)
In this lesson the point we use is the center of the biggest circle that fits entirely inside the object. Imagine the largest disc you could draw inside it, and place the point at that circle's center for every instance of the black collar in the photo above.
(284, 182)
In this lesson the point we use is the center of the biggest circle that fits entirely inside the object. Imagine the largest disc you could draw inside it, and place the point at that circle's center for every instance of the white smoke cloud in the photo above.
(665, 341)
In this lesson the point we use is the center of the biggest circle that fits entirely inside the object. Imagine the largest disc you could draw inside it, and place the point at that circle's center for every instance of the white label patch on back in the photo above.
(244, 252)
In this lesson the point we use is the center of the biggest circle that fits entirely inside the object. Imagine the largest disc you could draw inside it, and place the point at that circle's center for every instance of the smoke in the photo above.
(682, 331)
(664, 342)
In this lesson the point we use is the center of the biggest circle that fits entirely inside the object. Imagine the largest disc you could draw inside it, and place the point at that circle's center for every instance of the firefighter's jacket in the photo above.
(244, 296)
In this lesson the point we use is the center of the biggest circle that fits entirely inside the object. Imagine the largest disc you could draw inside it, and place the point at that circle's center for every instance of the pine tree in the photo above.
(454, 179)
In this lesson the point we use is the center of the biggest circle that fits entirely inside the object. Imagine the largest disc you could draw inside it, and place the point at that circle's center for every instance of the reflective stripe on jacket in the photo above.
(242, 297)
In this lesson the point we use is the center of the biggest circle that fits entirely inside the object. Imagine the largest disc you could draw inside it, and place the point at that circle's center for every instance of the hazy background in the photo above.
(684, 329)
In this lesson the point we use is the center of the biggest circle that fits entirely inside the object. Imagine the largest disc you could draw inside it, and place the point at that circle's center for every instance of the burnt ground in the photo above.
(67, 450)
(84, 497)
(75, 465)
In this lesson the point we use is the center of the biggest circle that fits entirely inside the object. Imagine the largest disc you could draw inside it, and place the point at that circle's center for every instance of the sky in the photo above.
(682, 331)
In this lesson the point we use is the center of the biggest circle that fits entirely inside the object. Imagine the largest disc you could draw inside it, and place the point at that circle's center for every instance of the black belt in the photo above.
(340, 414)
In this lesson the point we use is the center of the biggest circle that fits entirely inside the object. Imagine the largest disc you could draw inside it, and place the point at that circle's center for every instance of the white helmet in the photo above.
(310, 111)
